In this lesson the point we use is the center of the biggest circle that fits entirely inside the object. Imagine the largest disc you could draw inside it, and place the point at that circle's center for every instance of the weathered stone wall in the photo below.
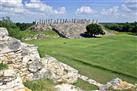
(22, 57)
(70, 30)
(24, 60)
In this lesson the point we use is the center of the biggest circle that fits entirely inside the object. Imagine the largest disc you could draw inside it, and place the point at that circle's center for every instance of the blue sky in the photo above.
(103, 10)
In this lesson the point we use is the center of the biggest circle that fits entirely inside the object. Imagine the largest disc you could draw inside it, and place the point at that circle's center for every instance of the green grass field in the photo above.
(40, 85)
(99, 58)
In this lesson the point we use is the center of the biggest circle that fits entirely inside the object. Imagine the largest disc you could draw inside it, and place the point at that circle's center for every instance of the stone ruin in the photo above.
(68, 28)
(24, 63)
(65, 21)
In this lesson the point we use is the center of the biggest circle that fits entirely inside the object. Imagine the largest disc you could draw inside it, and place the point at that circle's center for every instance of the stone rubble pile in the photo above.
(24, 59)
(36, 37)
(118, 84)
(114, 84)
(41, 27)
(90, 81)
(60, 72)
(11, 81)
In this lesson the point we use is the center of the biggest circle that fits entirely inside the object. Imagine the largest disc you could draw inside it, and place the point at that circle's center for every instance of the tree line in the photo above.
(122, 27)
(14, 29)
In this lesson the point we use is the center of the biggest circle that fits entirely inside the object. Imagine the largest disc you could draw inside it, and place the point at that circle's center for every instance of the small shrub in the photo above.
(3, 66)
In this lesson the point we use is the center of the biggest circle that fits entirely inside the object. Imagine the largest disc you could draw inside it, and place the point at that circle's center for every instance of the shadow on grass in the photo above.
(88, 36)
(102, 68)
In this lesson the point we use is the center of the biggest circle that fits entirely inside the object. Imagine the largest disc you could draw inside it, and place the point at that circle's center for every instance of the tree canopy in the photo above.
(94, 29)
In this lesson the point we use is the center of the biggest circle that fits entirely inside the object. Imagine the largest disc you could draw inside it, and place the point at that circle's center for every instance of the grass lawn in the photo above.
(40, 85)
(99, 58)
(85, 86)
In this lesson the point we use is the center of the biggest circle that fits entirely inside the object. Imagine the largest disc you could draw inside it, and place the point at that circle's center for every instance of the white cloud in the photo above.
(85, 10)
(129, 6)
(11, 6)
(126, 11)
(110, 11)
(125, 8)
(31, 7)
(38, 5)
(61, 10)
(11, 3)
(130, 1)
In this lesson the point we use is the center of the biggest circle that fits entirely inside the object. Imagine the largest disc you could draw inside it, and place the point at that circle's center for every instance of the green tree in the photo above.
(94, 29)
(24, 26)
(13, 30)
